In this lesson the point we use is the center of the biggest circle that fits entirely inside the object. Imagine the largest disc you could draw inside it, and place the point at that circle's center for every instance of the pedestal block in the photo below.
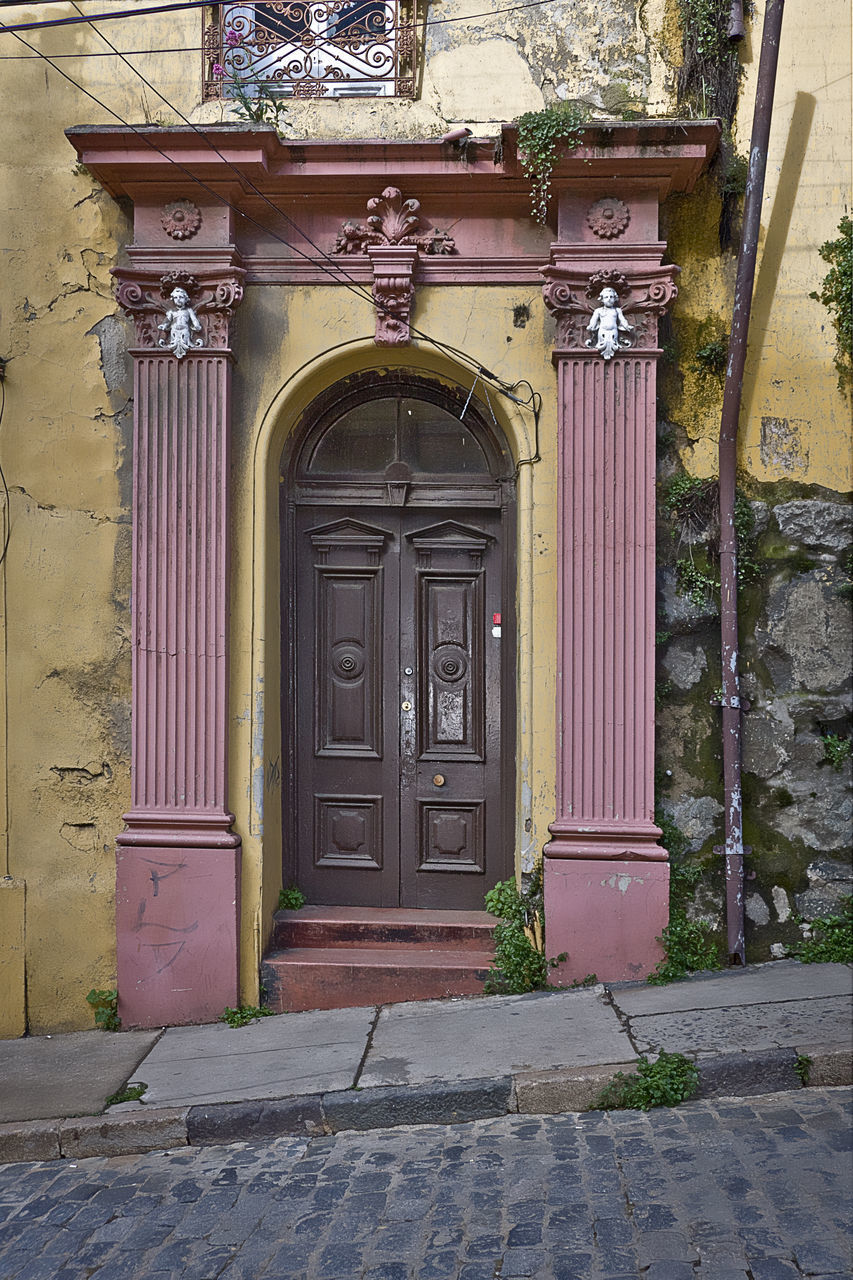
(607, 915)
(176, 917)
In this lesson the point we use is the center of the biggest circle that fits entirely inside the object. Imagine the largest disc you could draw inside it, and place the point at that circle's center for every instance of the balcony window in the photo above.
(313, 48)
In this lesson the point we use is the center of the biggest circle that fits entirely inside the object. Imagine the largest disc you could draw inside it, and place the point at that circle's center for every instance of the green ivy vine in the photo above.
(836, 294)
(540, 133)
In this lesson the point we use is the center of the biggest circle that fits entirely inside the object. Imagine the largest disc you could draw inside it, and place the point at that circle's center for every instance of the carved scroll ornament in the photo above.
(203, 320)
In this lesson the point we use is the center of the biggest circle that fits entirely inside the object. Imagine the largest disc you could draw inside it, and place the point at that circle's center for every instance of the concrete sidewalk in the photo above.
(434, 1062)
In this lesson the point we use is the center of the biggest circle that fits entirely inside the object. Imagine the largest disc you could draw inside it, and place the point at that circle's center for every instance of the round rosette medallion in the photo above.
(181, 219)
(608, 217)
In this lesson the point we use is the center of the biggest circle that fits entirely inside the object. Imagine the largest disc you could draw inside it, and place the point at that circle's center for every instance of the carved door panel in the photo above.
(451, 839)
(345, 758)
(397, 764)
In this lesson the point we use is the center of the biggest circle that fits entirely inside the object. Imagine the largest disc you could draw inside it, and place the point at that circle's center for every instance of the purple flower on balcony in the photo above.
(217, 70)
(232, 39)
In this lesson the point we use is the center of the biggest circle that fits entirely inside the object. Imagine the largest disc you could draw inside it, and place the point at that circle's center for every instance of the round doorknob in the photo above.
(407, 706)
(439, 780)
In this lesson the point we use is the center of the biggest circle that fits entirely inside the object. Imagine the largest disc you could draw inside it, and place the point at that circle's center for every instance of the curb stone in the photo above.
(740, 1075)
(528, 1092)
(390, 1105)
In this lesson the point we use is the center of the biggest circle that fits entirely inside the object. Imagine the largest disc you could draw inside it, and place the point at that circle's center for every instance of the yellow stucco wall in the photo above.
(65, 433)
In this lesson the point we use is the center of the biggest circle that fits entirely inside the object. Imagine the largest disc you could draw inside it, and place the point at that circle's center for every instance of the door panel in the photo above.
(347, 612)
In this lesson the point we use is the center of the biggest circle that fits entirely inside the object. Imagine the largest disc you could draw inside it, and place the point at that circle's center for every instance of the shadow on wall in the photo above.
(776, 240)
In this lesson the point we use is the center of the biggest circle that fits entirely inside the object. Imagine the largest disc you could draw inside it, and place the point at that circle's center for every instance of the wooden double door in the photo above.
(402, 657)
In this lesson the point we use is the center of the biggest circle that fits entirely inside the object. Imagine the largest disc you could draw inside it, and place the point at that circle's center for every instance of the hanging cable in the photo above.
(335, 269)
(12, 27)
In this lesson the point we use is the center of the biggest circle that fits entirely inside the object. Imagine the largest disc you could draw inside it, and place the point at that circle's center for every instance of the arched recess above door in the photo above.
(389, 437)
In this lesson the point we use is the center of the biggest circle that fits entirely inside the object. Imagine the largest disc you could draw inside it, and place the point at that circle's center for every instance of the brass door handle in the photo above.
(439, 780)
(406, 706)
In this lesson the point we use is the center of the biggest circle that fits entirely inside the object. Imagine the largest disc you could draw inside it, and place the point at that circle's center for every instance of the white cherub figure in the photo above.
(182, 323)
(608, 322)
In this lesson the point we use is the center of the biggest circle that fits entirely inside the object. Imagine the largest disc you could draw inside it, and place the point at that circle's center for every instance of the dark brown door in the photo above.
(398, 685)
(398, 642)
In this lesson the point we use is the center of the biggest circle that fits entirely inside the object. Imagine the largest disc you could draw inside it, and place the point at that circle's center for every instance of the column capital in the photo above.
(213, 295)
(576, 275)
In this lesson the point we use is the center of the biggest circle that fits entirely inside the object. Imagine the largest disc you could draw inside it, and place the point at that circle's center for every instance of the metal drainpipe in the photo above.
(728, 468)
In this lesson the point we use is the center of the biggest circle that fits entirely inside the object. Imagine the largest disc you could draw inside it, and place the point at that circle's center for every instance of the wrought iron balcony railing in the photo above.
(312, 48)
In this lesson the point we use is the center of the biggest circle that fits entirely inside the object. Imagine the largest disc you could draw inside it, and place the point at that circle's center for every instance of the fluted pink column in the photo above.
(606, 878)
(178, 861)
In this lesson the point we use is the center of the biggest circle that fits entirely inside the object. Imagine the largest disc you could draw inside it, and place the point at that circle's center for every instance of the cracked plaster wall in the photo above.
(66, 430)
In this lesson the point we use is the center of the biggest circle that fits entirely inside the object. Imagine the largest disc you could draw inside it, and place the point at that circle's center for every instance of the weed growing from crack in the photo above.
(830, 939)
(292, 899)
(520, 963)
(105, 1007)
(244, 1014)
(130, 1093)
(670, 1079)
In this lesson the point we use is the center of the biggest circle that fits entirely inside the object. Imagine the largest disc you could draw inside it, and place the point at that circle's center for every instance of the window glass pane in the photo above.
(362, 440)
(436, 442)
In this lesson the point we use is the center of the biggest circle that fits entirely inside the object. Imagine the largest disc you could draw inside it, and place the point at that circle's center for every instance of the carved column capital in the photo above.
(393, 291)
(211, 300)
(576, 277)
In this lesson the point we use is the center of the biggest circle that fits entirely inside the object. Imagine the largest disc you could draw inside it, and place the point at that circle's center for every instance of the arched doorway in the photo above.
(398, 638)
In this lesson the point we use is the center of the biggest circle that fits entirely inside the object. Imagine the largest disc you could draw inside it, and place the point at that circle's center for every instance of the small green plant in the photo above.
(803, 1067)
(697, 583)
(105, 1007)
(836, 294)
(540, 133)
(830, 940)
(670, 1079)
(520, 963)
(710, 359)
(292, 899)
(689, 946)
(836, 750)
(130, 1093)
(253, 100)
(589, 981)
(244, 1014)
(735, 175)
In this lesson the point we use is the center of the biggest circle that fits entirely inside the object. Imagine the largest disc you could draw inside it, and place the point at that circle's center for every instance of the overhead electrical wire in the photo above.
(188, 5)
(335, 269)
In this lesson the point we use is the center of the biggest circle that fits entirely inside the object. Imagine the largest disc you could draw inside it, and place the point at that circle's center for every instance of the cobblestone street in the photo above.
(757, 1188)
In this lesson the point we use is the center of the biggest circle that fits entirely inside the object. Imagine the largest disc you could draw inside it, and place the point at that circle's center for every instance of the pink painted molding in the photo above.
(606, 521)
(317, 185)
(177, 948)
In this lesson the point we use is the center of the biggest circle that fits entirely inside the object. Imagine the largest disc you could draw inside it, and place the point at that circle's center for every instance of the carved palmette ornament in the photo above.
(393, 221)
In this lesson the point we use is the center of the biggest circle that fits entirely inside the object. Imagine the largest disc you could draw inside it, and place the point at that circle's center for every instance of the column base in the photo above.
(606, 915)
(606, 840)
(177, 933)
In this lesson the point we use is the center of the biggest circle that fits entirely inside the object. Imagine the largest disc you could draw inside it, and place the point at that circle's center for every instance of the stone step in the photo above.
(342, 977)
(382, 927)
